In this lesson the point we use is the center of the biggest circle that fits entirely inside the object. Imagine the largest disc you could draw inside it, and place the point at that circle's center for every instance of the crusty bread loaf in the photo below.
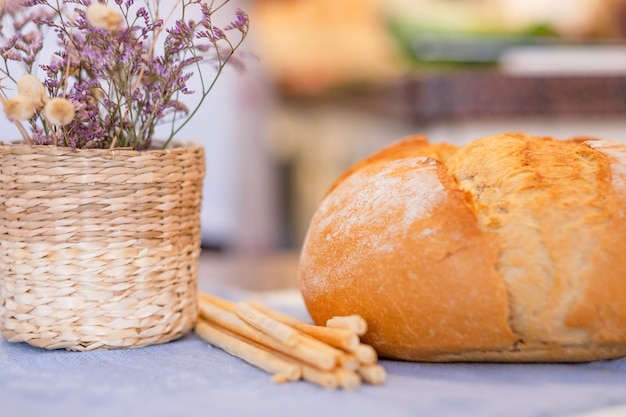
(511, 248)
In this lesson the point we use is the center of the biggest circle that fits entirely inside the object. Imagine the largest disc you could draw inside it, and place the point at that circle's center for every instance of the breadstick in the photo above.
(329, 379)
(326, 379)
(354, 323)
(220, 302)
(305, 339)
(373, 374)
(230, 321)
(266, 324)
(365, 354)
(349, 362)
(252, 354)
(335, 378)
(348, 379)
(279, 378)
(341, 338)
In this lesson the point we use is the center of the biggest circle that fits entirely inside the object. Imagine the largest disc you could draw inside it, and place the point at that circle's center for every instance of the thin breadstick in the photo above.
(343, 359)
(306, 353)
(252, 354)
(348, 379)
(325, 379)
(305, 339)
(349, 362)
(219, 302)
(365, 354)
(280, 378)
(354, 323)
(340, 338)
(336, 378)
(266, 324)
(373, 374)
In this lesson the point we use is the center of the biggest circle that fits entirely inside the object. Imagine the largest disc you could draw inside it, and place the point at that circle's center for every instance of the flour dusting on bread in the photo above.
(370, 197)
(364, 201)
(617, 152)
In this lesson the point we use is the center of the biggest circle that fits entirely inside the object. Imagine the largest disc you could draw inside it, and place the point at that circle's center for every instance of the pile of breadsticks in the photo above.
(331, 356)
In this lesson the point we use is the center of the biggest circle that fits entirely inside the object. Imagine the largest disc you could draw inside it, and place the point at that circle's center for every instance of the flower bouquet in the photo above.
(100, 221)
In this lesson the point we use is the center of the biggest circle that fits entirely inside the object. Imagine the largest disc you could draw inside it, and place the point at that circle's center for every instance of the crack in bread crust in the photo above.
(544, 202)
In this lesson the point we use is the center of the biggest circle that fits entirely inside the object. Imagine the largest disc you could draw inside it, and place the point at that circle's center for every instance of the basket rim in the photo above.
(23, 165)
(21, 147)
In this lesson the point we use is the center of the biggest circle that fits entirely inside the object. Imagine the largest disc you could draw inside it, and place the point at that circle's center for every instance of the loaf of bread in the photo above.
(511, 249)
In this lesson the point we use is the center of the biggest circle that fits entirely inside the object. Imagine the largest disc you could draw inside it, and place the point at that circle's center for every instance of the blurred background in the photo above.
(331, 81)
(336, 80)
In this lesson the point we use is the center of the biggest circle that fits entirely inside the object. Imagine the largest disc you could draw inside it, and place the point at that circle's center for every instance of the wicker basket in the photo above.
(98, 249)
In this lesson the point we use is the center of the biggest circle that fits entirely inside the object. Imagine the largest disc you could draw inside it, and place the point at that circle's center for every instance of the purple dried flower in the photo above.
(121, 83)
(241, 23)
(11, 56)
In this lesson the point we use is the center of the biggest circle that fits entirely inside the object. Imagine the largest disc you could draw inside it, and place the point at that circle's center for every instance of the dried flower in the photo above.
(19, 108)
(59, 111)
(121, 69)
(103, 17)
(30, 86)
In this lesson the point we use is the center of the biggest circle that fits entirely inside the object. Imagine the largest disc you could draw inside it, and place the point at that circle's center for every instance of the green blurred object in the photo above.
(432, 47)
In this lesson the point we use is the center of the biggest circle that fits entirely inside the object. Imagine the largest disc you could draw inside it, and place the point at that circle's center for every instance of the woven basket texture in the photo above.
(98, 248)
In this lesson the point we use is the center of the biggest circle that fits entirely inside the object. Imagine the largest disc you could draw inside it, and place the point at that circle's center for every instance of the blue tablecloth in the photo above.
(190, 378)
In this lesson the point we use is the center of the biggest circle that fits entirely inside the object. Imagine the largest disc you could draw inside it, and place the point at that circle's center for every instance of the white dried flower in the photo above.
(103, 17)
(19, 108)
(59, 111)
(30, 86)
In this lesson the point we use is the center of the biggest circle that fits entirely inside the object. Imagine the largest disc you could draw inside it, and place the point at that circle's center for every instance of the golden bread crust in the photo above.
(507, 249)
(601, 310)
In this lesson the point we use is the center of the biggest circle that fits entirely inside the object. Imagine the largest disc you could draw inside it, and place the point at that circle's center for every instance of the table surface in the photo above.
(190, 378)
